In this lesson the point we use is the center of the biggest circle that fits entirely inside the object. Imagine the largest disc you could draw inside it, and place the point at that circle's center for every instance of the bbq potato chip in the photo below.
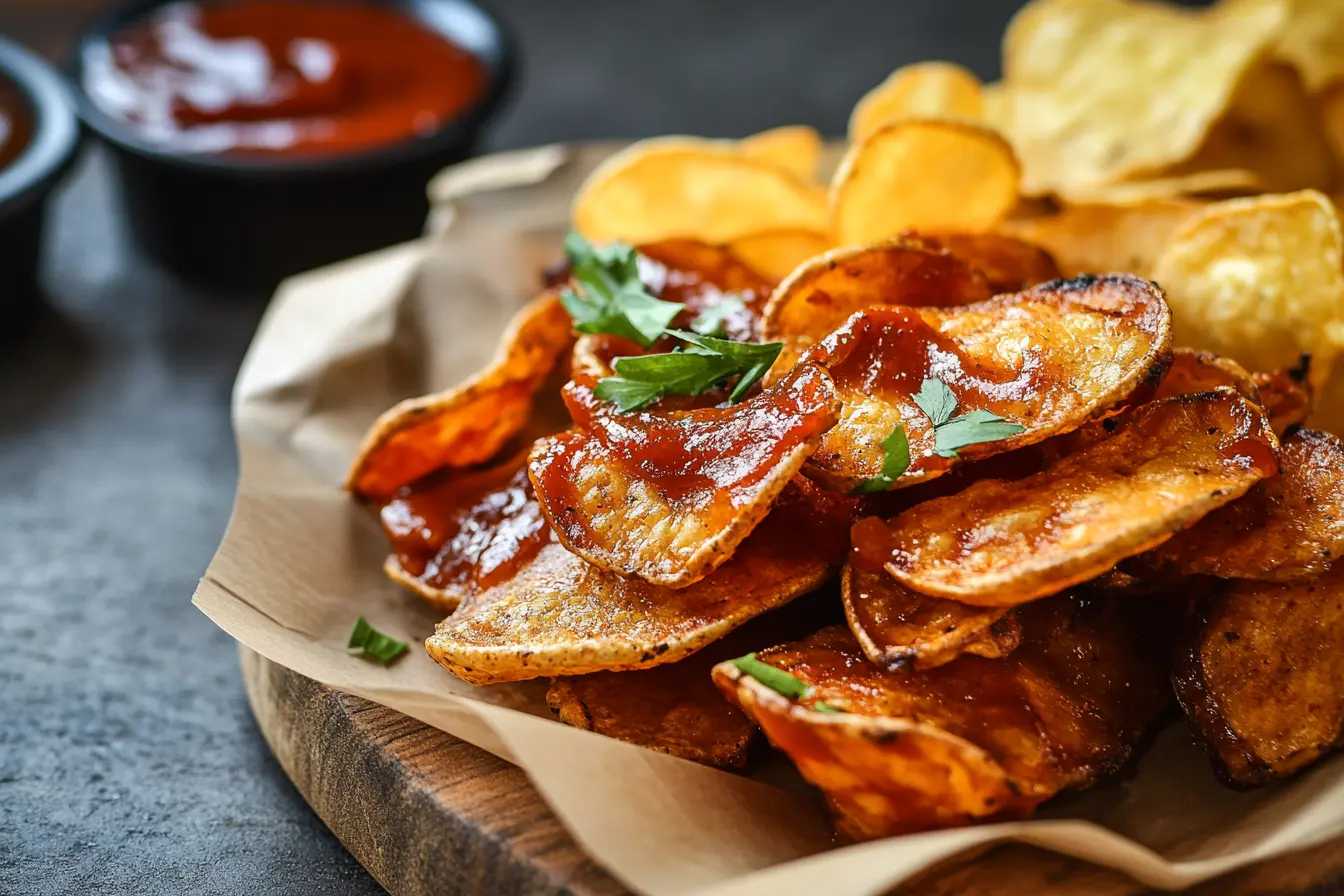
(560, 615)
(1288, 527)
(775, 253)
(680, 187)
(1193, 371)
(1002, 543)
(897, 627)
(794, 148)
(1262, 680)
(923, 174)
(667, 497)
(908, 751)
(1047, 360)
(1260, 280)
(1009, 264)
(469, 423)
(1099, 90)
(1286, 395)
(701, 277)
(1094, 239)
(921, 90)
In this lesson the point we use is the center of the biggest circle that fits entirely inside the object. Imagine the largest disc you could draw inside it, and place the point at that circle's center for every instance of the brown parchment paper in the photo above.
(300, 561)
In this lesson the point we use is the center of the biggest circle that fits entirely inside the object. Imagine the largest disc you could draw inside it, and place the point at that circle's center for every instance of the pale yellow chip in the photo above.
(683, 187)
(923, 174)
(1093, 239)
(795, 148)
(776, 253)
(1260, 280)
(1099, 90)
(1313, 41)
(1145, 190)
(921, 90)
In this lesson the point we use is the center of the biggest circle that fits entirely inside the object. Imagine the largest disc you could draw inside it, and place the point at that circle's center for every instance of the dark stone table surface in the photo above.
(128, 760)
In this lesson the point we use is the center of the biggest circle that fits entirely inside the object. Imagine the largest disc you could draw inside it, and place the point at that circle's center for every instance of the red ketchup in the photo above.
(281, 77)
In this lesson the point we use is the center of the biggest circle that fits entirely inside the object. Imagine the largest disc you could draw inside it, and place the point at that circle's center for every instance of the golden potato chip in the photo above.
(1096, 239)
(1194, 371)
(560, 615)
(1272, 130)
(775, 253)
(794, 148)
(1260, 280)
(469, 423)
(1262, 680)
(897, 627)
(1002, 543)
(1330, 106)
(1099, 90)
(1009, 264)
(1313, 41)
(679, 187)
(923, 174)
(920, 90)
(908, 751)
(1145, 190)
(1288, 527)
(1286, 395)
(668, 497)
(1047, 360)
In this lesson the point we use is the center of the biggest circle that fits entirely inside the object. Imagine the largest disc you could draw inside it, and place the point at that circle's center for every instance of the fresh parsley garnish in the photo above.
(936, 400)
(896, 448)
(713, 320)
(372, 643)
(611, 298)
(703, 363)
(950, 433)
(779, 681)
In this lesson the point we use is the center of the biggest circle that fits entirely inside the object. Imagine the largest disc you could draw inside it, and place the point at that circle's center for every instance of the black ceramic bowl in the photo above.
(249, 221)
(27, 182)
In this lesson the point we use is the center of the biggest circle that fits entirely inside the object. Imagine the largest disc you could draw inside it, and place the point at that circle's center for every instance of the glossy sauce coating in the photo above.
(281, 77)
(701, 276)
(16, 122)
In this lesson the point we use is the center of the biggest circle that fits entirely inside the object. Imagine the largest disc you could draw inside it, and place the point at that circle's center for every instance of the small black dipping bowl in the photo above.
(27, 182)
(250, 221)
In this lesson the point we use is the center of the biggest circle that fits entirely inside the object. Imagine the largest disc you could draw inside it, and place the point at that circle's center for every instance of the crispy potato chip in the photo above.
(909, 751)
(1262, 680)
(1144, 190)
(1002, 543)
(560, 615)
(1260, 280)
(1098, 90)
(794, 148)
(1094, 239)
(680, 187)
(1048, 359)
(1194, 371)
(454, 535)
(701, 276)
(469, 423)
(1286, 528)
(1009, 264)
(923, 174)
(775, 253)
(1286, 395)
(1313, 41)
(921, 90)
(668, 497)
(897, 627)
(1330, 106)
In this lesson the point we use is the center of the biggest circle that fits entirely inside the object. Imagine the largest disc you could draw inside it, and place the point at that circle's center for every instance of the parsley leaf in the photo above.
(750, 359)
(897, 457)
(824, 707)
(712, 321)
(613, 299)
(704, 363)
(936, 399)
(972, 429)
(372, 643)
(777, 680)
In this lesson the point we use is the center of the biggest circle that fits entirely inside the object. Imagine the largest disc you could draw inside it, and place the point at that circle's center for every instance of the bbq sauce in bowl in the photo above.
(16, 122)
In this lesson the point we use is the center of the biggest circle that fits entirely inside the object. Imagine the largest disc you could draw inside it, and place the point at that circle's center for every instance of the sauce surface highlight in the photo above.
(281, 77)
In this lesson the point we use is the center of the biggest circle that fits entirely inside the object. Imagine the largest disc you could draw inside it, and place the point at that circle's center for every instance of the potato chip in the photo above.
(921, 90)
(1047, 360)
(1286, 395)
(923, 174)
(1313, 41)
(1096, 239)
(668, 497)
(701, 276)
(1144, 190)
(469, 423)
(679, 187)
(775, 253)
(1194, 371)
(1009, 264)
(1260, 280)
(794, 148)
(1262, 680)
(1286, 528)
(1003, 543)
(897, 627)
(560, 615)
(908, 751)
(1099, 90)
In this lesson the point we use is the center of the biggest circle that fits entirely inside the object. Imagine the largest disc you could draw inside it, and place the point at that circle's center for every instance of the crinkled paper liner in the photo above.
(300, 561)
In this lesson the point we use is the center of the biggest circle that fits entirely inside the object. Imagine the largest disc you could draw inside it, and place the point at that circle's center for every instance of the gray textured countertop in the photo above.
(128, 759)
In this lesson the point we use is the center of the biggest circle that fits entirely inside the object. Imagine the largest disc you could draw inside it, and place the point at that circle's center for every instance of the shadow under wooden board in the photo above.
(427, 813)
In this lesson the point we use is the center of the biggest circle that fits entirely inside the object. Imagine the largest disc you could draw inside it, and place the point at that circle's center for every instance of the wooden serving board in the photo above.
(426, 813)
